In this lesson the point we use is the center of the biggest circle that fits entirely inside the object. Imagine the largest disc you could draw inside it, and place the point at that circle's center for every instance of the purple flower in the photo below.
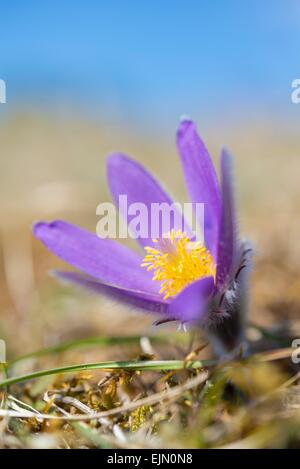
(178, 278)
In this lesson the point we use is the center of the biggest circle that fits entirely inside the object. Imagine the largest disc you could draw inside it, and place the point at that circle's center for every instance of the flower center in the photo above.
(177, 262)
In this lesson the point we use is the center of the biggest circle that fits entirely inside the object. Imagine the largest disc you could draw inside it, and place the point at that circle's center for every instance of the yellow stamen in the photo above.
(177, 262)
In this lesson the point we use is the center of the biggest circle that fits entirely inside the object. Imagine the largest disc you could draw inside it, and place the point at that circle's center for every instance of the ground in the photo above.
(56, 170)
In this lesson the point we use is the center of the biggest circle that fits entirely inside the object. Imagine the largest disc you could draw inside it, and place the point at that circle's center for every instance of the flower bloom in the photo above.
(178, 278)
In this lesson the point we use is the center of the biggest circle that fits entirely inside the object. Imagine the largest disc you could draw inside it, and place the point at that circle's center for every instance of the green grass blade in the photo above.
(155, 365)
(89, 342)
(268, 334)
(91, 435)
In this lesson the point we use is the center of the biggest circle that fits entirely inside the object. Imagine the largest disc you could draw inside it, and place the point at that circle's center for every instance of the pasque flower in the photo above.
(177, 278)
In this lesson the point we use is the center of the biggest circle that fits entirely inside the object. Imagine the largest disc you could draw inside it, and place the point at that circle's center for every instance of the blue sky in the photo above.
(151, 59)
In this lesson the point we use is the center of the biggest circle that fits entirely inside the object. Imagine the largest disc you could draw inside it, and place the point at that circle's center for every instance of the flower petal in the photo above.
(143, 301)
(227, 248)
(190, 304)
(201, 180)
(103, 259)
(127, 177)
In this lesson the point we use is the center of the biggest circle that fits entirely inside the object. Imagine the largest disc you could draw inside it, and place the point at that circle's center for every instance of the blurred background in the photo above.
(86, 78)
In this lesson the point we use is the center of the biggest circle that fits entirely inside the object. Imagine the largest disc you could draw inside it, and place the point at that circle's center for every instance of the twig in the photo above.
(149, 400)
